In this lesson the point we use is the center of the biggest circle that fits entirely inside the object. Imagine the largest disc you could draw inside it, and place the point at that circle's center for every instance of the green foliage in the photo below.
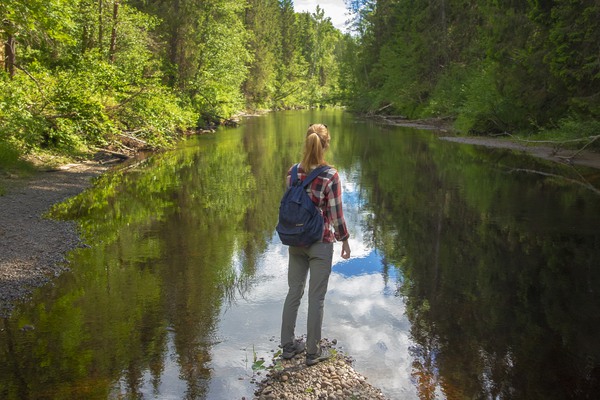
(571, 129)
(296, 57)
(20, 123)
(9, 156)
(71, 109)
(78, 98)
(264, 42)
(11, 163)
(258, 363)
(154, 114)
(449, 94)
(572, 52)
(482, 108)
(494, 66)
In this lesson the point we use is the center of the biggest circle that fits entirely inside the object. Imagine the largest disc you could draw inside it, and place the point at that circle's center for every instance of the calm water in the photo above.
(470, 278)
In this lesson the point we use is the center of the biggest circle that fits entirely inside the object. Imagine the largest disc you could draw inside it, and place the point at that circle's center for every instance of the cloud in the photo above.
(334, 9)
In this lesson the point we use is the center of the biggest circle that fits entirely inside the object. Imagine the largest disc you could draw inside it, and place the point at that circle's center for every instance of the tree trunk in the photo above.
(174, 37)
(113, 35)
(100, 29)
(9, 54)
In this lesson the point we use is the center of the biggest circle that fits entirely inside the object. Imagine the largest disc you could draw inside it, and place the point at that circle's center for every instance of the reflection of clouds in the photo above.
(369, 324)
(373, 329)
(354, 220)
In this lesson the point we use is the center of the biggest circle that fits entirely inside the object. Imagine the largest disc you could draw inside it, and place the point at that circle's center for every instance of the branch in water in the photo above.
(584, 184)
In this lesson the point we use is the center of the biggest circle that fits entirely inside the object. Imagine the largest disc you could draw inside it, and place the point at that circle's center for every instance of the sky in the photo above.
(334, 9)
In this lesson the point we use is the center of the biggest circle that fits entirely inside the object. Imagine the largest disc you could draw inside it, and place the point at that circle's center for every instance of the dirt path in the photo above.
(32, 248)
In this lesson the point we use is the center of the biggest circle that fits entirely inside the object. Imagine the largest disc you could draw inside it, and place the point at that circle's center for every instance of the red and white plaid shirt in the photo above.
(326, 192)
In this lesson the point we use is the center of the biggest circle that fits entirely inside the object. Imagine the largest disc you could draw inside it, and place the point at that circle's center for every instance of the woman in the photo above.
(325, 191)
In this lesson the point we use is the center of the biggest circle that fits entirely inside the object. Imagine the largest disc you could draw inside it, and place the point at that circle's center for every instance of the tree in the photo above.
(263, 25)
(34, 23)
(203, 45)
(573, 52)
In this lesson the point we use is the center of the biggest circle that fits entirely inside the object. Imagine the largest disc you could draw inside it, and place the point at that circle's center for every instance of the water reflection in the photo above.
(468, 279)
(362, 311)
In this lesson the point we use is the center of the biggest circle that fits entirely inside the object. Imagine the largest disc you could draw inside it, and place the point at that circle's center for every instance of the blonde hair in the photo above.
(317, 141)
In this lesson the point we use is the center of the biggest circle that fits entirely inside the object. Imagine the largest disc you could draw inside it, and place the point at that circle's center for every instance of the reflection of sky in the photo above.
(360, 312)
(369, 264)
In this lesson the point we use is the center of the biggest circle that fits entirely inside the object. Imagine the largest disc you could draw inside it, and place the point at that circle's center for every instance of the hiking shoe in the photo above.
(312, 359)
(291, 349)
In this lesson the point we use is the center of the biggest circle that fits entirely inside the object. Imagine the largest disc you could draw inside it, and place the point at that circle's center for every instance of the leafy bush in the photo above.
(154, 114)
(449, 95)
(53, 110)
(20, 121)
(480, 112)
(11, 163)
(10, 160)
(71, 109)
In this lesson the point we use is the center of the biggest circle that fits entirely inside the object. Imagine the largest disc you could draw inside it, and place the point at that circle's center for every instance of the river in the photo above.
(475, 272)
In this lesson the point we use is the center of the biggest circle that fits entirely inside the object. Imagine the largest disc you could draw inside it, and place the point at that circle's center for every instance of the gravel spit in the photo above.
(333, 379)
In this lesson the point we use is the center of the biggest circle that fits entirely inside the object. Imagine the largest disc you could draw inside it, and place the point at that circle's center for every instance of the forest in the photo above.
(117, 74)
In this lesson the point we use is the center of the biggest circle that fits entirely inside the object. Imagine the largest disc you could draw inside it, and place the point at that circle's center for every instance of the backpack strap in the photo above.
(294, 175)
(314, 173)
(294, 179)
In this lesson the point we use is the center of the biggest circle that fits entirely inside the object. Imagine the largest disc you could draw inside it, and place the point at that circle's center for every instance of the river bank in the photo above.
(558, 154)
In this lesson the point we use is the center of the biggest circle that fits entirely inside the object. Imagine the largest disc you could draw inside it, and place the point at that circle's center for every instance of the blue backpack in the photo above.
(300, 221)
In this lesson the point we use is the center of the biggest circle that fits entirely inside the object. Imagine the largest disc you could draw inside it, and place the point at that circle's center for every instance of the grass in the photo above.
(12, 166)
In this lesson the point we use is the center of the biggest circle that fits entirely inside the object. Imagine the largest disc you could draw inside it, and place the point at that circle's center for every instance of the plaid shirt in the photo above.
(326, 193)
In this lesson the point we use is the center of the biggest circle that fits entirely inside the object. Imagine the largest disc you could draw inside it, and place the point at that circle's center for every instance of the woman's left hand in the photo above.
(345, 250)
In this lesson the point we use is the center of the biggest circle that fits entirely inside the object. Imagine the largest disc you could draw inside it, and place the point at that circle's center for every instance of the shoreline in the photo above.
(334, 378)
(543, 149)
(584, 158)
(33, 248)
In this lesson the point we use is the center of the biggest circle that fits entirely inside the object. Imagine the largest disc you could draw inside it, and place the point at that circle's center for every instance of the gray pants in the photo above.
(316, 259)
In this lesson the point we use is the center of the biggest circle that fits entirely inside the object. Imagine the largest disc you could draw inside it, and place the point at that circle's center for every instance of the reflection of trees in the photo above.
(498, 269)
(167, 235)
